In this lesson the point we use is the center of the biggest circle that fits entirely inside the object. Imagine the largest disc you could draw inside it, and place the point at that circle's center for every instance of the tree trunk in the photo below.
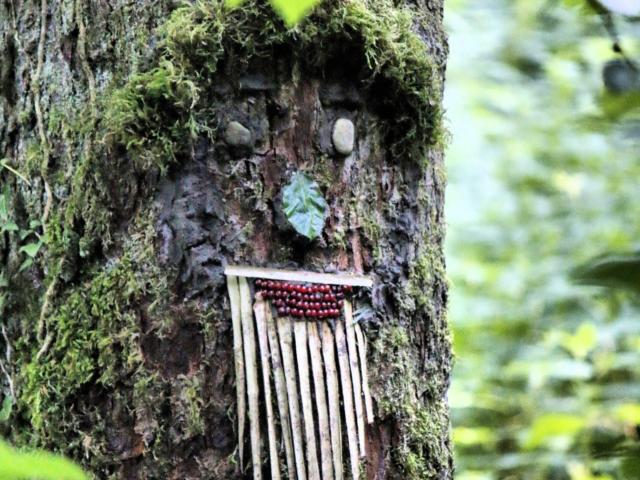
(115, 119)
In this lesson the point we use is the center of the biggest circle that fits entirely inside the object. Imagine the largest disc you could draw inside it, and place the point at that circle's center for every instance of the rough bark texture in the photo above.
(118, 337)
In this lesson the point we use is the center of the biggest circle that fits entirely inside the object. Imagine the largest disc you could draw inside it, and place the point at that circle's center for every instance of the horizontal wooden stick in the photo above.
(299, 276)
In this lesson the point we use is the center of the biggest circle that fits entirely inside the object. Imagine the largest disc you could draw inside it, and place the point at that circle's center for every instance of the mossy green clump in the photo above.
(422, 449)
(96, 331)
(157, 107)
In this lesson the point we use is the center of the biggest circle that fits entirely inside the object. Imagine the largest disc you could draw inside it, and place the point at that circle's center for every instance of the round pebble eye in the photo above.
(343, 136)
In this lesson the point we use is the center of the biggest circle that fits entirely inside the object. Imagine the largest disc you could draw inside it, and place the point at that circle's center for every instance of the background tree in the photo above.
(146, 146)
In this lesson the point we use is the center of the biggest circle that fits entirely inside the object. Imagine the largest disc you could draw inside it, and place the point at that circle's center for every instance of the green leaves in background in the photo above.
(37, 465)
(543, 174)
(291, 11)
(304, 206)
(611, 270)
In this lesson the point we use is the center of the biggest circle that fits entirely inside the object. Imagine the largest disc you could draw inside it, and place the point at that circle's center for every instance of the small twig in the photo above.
(234, 298)
(347, 398)
(333, 389)
(45, 346)
(253, 389)
(300, 332)
(7, 355)
(6, 165)
(355, 375)
(321, 402)
(288, 362)
(362, 351)
(45, 308)
(260, 309)
(8, 350)
(281, 394)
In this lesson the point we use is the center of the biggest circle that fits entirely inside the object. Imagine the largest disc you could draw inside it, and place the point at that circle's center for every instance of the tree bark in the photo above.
(117, 346)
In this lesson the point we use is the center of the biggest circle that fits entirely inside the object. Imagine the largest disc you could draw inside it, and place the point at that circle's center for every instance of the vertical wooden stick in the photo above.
(238, 355)
(333, 390)
(362, 350)
(253, 389)
(286, 345)
(260, 309)
(355, 376)
(281, 394)
(300, 332)
(321, 402)
(347, 398)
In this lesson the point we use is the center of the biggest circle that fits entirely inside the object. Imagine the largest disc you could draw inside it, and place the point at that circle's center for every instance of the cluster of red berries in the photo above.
(304, 300)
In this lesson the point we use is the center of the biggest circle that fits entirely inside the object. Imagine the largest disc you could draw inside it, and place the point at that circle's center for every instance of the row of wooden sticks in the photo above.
(283, 349)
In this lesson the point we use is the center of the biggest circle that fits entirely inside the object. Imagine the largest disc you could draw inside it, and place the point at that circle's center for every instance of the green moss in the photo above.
(96, 327)
(156, 108)
(422, 448)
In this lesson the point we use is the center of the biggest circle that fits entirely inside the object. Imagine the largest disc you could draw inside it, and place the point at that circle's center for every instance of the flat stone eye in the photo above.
(237, 135)
(343, 136)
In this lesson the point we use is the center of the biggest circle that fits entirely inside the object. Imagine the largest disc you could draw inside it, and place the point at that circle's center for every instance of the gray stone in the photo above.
(343, 136)
(237, 135)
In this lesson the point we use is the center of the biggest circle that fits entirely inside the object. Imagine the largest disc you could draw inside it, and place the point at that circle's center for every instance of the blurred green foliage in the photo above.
(291, 11)
(36, 465)
(543, 221)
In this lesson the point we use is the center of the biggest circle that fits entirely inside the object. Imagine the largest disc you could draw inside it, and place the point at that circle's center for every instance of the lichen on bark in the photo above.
(148, 204)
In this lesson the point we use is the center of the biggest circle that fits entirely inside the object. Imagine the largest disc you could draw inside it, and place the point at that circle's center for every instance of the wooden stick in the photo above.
(281, 394)
(321, 401)
(286, 346)
(333, 389)
(238, 355)
(253, 389)
(300, 332)
(362, 350)
(347, 397)
(260, 309)
(355, 375)
(299, 276)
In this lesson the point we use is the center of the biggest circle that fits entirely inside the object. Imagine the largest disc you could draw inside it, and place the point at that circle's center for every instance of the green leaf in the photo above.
(611, 270)
(31, 249)
(10, 227)
(16, 465)
(582, 342)
(304, 206)
(26, 264)
(292, 11)
(554, 426)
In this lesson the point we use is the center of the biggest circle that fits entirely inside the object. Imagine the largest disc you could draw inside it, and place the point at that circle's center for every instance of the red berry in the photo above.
(282, 312)
(340, 303)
